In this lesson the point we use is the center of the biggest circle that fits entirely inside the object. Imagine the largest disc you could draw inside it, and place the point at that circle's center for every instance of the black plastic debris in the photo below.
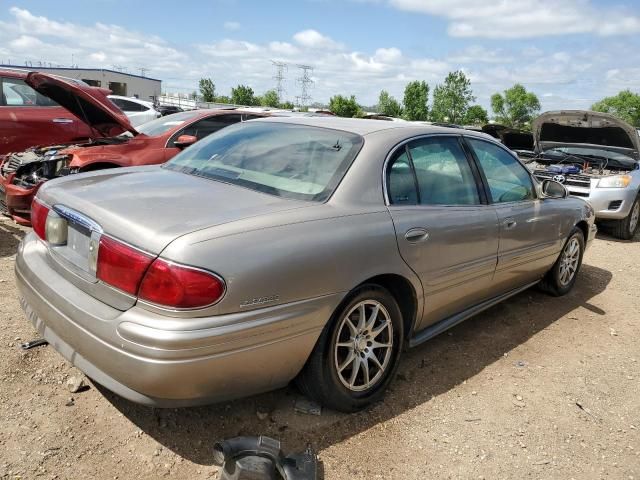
(33, 343)
(261, 458)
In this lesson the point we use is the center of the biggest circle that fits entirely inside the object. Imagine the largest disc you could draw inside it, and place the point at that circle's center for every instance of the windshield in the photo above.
(287, 160)
(164, 124)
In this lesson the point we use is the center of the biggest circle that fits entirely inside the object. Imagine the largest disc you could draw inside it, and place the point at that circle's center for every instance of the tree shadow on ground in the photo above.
(426, 371)
(10, 236)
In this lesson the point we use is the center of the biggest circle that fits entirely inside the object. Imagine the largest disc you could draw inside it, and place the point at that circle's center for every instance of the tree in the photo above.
(194, 95)
(416, 95)
(270, 99)
(452, 98)
(387, 105)
(476, 115)
(223, 99)
(344, 107)
(625, 105)
(516, 108)
(287, 105)
(207, 90)
(243, 95)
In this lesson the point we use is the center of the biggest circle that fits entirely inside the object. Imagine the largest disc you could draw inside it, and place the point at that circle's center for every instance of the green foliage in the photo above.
(243, 95)
(194, 95)
(344, 107)
(476, 115)
(387, 105)
(625, 105)
(516, 108)
(270, 99)
(287, 105)
(416, 95)
(223, 99)
(207, 90)
(452, 98)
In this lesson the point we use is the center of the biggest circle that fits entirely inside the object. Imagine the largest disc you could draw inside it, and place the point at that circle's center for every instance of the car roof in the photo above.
(361, 126)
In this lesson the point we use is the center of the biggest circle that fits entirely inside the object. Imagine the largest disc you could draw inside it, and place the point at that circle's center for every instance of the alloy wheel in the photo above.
(364, 345)
(569, 261)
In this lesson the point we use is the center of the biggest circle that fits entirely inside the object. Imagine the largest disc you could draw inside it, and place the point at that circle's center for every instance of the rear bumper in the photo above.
(165, 361)
(16, 201)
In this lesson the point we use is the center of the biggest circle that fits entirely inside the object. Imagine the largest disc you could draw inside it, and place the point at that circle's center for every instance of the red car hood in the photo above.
(89, 104)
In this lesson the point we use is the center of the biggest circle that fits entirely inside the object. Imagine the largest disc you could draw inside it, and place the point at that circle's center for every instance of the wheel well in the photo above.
(404, 294)
(98, 166)
(582, 225)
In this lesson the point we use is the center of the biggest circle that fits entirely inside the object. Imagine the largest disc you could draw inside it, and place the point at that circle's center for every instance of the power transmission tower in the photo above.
(305, 82)
(143, 70)
(281, 67)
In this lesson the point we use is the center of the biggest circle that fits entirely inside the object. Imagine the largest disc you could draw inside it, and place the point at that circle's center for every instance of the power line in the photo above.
(279, 77)
(306, 83)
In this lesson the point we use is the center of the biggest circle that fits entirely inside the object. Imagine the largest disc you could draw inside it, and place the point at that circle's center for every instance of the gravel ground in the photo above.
(537, 387)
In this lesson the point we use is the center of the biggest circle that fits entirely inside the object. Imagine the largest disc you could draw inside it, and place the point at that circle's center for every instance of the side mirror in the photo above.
(183, 141)
(553, 189)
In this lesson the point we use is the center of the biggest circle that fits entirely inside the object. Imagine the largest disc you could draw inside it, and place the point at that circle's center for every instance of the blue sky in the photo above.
(569, 52)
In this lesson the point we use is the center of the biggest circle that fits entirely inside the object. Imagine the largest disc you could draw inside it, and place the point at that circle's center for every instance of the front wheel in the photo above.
(357, 353)
(560, 279)
(626, 228)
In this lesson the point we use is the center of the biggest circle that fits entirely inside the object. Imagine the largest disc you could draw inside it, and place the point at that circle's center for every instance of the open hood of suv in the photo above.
(573, 128)
(89, 104)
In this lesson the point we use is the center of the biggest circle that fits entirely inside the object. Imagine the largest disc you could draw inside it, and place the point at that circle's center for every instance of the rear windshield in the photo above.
(287, 160)
(164, 124)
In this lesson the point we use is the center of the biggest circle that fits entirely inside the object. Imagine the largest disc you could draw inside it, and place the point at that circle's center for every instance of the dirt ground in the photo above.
(537, 387)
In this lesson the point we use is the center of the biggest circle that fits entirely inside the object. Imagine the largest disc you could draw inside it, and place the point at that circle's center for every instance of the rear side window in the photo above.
(127, 106)
(434, 172)
(16, 93)
(507, 178)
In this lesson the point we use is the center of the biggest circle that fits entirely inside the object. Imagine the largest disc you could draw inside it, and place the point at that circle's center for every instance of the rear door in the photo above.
(28, 118)
(446, 231)
(530, 227)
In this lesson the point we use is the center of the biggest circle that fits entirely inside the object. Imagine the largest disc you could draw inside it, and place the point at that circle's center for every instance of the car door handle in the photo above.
(62, 120)
(415, 235)
(509, 224)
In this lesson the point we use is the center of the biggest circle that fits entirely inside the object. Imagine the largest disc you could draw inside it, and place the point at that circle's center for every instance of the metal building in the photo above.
(120, 83)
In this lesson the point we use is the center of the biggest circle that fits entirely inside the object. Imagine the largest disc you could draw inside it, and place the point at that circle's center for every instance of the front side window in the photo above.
(164, 124)
(507, 178)
(207, 126)
(285, 160)
(16, 93)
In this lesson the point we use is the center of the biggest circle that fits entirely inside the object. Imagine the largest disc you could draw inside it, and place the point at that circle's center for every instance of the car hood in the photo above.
(89, 104)
(167, 204)
(582, 128)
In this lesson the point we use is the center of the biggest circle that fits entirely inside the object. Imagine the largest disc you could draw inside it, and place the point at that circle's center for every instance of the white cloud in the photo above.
(231, 26)
(480, 54)
(230, 48)
(525, 18)
(314, 39)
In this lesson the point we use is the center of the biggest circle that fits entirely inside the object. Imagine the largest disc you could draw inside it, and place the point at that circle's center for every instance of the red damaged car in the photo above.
(115, 144)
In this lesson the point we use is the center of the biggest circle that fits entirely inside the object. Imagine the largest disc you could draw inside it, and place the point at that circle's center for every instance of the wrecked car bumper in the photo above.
(15, 201)
(162, 361)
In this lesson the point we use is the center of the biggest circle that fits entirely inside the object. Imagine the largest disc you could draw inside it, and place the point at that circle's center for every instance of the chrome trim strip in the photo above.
(78, 218)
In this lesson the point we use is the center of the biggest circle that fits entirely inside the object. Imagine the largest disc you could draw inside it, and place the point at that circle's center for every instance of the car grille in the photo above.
(10, 165)
(581, 183)
(3, 203)
(615, 205)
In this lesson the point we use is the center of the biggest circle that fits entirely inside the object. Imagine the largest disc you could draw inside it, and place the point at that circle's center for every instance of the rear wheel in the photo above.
(626, 228)
(560, 279)
(357, 353)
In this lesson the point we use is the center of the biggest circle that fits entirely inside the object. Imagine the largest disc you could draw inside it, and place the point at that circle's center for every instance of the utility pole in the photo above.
(305, 82)
(143, 70)
(279, 77)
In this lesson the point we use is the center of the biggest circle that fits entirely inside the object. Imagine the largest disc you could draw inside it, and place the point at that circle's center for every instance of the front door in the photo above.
(446, 231)
(530, 227)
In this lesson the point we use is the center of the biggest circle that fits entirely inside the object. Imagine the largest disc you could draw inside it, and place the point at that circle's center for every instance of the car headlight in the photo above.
(615, 181)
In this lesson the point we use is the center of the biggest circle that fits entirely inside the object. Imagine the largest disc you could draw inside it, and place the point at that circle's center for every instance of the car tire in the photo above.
(560, 279)
(348, 344)
(626, 228)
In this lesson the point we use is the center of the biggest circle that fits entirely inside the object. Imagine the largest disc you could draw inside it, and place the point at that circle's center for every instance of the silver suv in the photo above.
(596, 157)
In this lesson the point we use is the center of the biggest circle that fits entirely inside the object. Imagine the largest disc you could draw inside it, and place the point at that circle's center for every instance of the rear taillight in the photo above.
(177, 286)
(39, 214)
(120, 265)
